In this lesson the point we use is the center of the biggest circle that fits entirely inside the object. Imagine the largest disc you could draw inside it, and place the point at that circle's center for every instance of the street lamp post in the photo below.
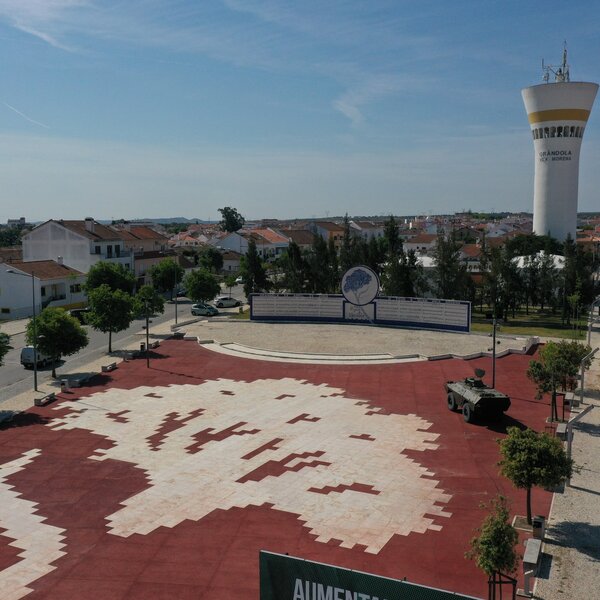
(493, 349)
(592, 320)
(148, 321)
(175, 288)
(35, 357)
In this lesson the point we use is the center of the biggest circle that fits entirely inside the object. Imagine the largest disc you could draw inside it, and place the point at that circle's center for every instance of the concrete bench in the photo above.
(45, 399)
(531, 558)
(110, 367)
(561, 431)
(533, 549)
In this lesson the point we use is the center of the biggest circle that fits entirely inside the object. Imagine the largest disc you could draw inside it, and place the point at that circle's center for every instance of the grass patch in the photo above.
(243, 316)
(540, 323)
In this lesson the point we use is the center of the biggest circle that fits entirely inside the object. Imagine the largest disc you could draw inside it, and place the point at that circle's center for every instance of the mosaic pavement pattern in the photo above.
(165, 483)
(301, 448)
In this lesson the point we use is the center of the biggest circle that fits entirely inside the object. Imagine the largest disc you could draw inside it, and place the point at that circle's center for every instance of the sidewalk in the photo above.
(14, 327)
(571, 551)
(27, 399)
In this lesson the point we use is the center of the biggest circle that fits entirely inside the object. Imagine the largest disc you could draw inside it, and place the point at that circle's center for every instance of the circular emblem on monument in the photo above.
(360, 285)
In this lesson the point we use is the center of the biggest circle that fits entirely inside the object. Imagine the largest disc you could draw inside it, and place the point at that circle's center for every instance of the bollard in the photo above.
(539, 526)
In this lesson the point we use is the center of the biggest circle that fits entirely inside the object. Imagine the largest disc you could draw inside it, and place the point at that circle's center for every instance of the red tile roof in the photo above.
(100, 232)
(271, 236)
(140, 233)
(329, 226)
(45, 269)
(423, 238)
(471, 250)
(302, 237)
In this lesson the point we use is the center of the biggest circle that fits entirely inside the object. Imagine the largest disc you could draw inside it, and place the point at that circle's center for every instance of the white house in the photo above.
(51, 283)
(367, 229)
(81, 244)
(231, 261)
(269, 243)
(422, 243)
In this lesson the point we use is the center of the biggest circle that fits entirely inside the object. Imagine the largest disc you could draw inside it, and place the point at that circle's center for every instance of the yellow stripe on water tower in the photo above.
(559, 114)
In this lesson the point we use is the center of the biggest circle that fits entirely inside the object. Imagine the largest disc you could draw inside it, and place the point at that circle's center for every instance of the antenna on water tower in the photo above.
(561, 73)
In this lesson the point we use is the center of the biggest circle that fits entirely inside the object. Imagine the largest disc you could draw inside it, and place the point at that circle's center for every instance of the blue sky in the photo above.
(149, 108)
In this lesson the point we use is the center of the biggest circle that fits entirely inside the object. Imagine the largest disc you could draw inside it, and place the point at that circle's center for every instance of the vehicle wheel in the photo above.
(452, 402)
(467, 412)
(220, 305)
(237, 303)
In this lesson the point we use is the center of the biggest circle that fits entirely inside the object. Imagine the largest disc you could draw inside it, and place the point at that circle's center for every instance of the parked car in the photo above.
(204, 309)
(227, 302)
(181, 293)
(27, 358)
(79, 314)
(239, 280)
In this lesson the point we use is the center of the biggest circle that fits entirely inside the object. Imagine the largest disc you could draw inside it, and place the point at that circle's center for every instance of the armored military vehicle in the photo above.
(474, 398)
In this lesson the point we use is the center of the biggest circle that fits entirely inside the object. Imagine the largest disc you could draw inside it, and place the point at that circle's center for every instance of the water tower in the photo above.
(558, 113)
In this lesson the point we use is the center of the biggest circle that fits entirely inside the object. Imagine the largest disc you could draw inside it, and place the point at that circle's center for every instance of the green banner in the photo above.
(287, 578)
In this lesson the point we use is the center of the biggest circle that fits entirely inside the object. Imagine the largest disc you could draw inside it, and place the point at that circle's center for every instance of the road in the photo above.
(15, 379)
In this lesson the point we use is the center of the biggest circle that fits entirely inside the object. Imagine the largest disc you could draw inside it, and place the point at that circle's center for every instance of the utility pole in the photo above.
(147, 336)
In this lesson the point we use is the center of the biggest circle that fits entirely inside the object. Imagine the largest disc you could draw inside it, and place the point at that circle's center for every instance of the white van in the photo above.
(27, 360)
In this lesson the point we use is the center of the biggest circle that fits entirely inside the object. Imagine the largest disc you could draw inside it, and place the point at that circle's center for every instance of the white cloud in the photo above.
(41, 18)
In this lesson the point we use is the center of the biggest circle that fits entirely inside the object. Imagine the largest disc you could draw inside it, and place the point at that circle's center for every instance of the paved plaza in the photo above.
(165, 482)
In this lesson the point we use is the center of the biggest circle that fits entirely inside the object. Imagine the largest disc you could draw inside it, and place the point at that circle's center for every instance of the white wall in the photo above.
(15, 294)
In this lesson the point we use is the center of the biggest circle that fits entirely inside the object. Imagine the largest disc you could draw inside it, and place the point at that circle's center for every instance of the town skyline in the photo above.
(117, 110)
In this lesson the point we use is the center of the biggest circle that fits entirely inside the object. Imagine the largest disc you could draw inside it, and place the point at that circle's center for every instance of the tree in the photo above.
(294, 269)
(547, 278)
(58, 334)
(253, 271)
(230, 281)
(558, 364)
(318, 266)
(201, 286)
(450, 274)
(403, 276)
(4, 346)
(530, 458)
(114, 275)
(211, 259)
(166, 275)
(148, 302)
(494, 549)
(350, 251)
(391, 237)
(530, 277)
(231, 219)
(111, 311)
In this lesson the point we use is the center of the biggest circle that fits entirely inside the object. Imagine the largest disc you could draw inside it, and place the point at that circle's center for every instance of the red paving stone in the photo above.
(217, 556)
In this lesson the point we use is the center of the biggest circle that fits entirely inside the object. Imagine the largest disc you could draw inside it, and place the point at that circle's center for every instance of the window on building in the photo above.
(75, 288)
(96, 249)
(43, 290)
(109, 251)
(5, 311)
(559, 131)
(117, 251)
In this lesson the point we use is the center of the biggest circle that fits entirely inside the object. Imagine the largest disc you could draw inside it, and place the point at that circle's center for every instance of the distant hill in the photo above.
(162, 221)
